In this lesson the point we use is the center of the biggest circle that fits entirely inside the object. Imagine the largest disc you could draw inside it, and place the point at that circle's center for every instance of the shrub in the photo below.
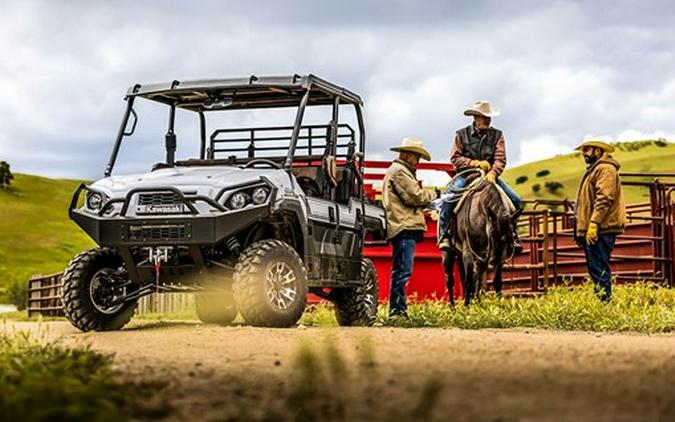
(543, 173)
(536, 187)
(553, 187)
(17, 294)
(521, 179)
(5, 174)
(661, 142)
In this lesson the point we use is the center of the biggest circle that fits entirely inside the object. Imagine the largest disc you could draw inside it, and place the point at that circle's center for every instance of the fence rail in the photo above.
(44, 298)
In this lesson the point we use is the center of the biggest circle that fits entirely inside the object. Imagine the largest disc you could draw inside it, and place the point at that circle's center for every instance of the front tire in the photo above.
(90, 280)
(270, 284)
(358, 306)
(216, 307)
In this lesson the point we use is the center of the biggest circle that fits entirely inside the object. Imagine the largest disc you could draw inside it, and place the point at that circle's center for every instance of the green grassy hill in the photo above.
(36, 235)
(635, 157)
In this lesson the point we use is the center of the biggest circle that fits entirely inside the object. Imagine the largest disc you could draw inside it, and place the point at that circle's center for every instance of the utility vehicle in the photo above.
(261, 218)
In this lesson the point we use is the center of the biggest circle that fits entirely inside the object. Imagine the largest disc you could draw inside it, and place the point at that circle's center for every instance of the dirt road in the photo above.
(485, 375)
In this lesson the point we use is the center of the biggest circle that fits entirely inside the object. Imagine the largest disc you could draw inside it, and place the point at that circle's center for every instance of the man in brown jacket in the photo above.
(404, 202)
(600, 212)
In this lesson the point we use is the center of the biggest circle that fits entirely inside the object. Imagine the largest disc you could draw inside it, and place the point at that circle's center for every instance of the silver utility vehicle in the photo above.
(261, 218)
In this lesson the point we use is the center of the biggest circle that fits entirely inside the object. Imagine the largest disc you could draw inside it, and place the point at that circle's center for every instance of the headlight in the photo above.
(94, 201)
(260, 195)
(238, 200)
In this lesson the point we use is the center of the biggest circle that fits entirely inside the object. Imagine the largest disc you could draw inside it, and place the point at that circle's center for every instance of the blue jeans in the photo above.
(449, 207)
(401, 270)
(597, 259)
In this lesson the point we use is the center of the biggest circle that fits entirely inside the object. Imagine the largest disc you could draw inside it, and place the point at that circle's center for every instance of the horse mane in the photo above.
(494, 206)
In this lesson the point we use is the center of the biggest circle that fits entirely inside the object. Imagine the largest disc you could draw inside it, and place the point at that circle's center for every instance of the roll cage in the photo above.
(202, 96)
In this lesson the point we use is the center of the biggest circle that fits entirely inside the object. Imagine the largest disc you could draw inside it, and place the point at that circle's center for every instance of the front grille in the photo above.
(158, 232)
(160, 198)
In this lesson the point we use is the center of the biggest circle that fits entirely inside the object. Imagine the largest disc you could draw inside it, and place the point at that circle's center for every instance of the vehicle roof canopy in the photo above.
(245, 93)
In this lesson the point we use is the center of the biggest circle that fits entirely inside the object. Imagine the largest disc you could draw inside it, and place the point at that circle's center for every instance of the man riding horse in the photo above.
(477, 146)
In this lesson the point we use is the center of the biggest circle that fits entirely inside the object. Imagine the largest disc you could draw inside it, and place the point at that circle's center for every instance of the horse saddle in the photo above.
(477, 184)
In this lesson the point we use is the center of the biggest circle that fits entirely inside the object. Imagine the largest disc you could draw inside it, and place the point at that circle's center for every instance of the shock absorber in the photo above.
(233, 245)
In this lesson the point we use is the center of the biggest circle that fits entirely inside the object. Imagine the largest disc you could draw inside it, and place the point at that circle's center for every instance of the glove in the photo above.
(483, 165)
(592, 233)
(491, 177)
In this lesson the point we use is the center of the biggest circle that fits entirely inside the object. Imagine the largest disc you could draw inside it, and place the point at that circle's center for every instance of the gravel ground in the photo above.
(213, 372)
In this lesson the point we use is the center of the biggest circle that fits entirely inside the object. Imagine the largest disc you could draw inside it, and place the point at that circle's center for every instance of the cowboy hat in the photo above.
(413, 145)
(482, 108)
(598, 143)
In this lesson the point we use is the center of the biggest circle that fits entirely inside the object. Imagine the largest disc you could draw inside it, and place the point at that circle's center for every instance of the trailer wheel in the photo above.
(90, 282)
(358, 306)
(216, 307)
(270, 284)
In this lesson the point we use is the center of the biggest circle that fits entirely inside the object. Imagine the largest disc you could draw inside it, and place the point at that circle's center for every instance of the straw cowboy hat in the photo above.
(413, 145)
(482, 108)
(596, 142)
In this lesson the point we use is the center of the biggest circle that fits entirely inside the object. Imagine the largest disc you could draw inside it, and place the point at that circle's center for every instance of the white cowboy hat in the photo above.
(598, 143)
(413, 145)
(482, 108)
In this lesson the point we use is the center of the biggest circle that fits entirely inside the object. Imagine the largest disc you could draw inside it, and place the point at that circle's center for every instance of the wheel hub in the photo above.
(103, 290)
(281, 285)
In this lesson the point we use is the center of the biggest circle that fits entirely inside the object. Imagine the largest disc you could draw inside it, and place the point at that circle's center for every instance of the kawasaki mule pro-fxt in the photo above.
(264, 215)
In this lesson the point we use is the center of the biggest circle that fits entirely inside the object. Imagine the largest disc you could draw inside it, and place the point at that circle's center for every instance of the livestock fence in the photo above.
(44, 298)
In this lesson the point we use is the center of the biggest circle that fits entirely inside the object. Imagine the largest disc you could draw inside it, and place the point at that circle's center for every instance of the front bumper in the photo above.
(195, 228)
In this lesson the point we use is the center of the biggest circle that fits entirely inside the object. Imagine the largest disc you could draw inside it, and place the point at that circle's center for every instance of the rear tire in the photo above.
(270, 284)
(358, 306)
(87, 284)
(216, 307)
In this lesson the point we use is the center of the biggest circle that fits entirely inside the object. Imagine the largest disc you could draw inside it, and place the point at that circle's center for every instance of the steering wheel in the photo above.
(464, 174)
(265, 161)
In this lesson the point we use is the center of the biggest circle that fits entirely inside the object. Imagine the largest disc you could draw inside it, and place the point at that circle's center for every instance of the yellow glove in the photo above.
(491, 177)
(592, 233)
(483, 165)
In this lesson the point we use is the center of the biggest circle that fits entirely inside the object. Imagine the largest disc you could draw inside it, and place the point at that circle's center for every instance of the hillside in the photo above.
(36, 235)
(639, 156)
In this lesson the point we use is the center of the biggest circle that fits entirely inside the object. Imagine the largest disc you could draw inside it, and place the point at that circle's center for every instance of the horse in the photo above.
(483, 235)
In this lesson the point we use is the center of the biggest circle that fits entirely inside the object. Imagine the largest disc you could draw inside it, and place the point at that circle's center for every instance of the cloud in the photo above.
(540, 147)
(559, 70)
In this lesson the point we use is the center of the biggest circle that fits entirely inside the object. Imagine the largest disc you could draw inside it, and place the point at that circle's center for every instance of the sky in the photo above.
(560, 71)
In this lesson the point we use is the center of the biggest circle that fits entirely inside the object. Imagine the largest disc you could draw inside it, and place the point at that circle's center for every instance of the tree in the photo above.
(5, 174)
(536, 187)
(543, 173)
(521, 179)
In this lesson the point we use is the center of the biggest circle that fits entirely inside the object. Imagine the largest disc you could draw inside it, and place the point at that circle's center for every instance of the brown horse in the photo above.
(483, 236)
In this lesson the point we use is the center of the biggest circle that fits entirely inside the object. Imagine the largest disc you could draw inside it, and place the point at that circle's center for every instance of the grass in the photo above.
(568, 170)
(643, 308)
(640, 308)
(43, 380)
(37, 237)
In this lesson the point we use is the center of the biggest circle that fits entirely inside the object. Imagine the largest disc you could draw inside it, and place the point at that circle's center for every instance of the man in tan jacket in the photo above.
(600, 212)
(404, 202)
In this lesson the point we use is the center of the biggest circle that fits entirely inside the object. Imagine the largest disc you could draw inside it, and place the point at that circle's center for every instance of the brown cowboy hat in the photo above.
(413, 145)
